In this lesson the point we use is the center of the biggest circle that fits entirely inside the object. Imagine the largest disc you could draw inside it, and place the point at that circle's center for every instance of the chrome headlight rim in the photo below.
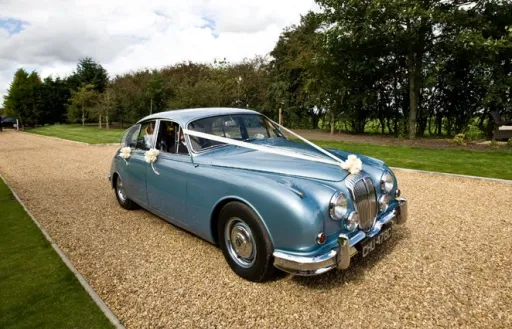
(387, 182)
(338, 200)
(351, 223)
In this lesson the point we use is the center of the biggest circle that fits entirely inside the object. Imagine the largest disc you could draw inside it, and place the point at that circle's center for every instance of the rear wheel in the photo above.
(245, 242)
(121, 197)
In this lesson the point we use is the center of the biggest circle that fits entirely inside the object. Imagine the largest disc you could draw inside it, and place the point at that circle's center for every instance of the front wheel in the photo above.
(245, 242)
(121, 197)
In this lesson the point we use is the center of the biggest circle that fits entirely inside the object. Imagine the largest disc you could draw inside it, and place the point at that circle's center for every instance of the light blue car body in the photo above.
(291, 196)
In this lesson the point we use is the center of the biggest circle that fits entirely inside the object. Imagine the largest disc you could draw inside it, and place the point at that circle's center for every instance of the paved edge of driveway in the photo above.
(101, 304)
(497, 180)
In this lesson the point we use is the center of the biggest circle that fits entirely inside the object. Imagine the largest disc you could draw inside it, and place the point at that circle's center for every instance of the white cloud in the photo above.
(127, 35)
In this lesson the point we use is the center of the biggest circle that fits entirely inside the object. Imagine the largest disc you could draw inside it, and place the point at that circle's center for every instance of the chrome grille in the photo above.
(365, 199)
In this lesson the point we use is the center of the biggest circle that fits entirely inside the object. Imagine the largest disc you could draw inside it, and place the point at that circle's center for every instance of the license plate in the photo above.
(368, 246)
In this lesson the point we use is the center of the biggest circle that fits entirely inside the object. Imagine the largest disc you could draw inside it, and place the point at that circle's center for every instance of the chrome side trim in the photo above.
(341, 255)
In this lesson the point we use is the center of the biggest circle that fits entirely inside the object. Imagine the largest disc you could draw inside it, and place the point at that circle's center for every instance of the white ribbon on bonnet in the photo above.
(353, 163)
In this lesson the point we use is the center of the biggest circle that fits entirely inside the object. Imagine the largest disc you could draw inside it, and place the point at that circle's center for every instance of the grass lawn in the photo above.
(87, 134)
(492, 163)
(495, 163)
(37, 289)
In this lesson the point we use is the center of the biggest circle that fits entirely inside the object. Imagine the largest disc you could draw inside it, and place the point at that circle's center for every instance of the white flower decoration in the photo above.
(353, 164)
(151, 156)
(125, 153)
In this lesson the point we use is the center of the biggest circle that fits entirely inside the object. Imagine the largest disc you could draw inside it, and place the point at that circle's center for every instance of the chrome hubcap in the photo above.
(120, 189)
(240, 242)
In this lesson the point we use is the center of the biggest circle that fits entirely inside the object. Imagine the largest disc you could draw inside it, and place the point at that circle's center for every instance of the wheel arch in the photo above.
(114, 180)
(214, 217)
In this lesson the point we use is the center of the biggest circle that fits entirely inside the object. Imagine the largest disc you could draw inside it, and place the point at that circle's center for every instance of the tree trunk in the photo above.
(324, 121)
(382, 125)
(413, 111)
(100, 121)
(314, 121)
(106, 110)
(83, 116)
(332, 123)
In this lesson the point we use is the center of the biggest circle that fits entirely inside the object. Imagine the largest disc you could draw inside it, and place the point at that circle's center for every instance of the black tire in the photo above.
(259, 267)
(121, 197)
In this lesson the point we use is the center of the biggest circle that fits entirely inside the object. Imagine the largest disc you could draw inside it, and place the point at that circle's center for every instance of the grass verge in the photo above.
(494, 164)
(38, 289)
(87, 134)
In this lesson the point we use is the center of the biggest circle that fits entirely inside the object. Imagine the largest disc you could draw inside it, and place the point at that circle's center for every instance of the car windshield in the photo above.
(244, 127)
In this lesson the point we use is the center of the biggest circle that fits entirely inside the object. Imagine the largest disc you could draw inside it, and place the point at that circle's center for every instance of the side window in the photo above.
(146, 136)
(130, 136)
(171, 138)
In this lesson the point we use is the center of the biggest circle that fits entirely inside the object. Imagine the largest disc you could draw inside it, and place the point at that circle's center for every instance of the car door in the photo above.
(167, 183)
(135, 172)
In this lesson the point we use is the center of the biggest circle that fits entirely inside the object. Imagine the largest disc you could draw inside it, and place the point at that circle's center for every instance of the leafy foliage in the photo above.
(82, 104)
(401, 67)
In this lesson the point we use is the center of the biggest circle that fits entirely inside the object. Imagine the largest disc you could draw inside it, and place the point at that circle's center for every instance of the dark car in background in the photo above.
(8, 122)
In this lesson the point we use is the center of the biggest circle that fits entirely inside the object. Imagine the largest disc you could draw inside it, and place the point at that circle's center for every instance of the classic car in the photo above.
(233, 178)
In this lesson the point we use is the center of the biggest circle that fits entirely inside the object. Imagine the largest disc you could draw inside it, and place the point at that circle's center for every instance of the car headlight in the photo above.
(338, 206)
(352, 221)
(387, 183)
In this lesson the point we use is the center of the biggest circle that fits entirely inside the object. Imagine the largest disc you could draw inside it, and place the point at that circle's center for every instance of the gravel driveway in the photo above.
(449, 266)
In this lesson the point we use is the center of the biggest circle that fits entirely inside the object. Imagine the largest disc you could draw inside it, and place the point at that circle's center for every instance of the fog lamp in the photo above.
(352, 221)
(383, 202)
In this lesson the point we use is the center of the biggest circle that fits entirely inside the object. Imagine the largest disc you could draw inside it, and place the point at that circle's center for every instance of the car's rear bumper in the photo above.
(340, 256)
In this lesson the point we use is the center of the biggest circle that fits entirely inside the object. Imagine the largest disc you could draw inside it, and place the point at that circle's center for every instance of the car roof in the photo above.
(185, 116)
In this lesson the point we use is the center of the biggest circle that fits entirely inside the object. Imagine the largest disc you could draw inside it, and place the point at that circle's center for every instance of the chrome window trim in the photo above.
(157, 126)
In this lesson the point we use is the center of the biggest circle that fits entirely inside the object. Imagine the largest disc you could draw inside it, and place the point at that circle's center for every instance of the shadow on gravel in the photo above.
(358, 267)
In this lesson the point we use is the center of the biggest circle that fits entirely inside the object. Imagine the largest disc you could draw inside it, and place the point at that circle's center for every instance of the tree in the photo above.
(297, 72)
(155, 92)
(105, 106)
(89, 72)
(23, 97)
(82, 103)
(54, 96)
(14, 102)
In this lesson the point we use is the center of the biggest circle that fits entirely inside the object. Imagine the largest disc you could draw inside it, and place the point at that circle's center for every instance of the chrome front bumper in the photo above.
(340, 256)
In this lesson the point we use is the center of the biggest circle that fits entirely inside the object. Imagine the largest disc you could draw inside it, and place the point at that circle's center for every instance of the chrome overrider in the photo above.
(340, 256)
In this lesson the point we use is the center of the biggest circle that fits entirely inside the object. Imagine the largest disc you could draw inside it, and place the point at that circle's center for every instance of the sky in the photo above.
(123, 35)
